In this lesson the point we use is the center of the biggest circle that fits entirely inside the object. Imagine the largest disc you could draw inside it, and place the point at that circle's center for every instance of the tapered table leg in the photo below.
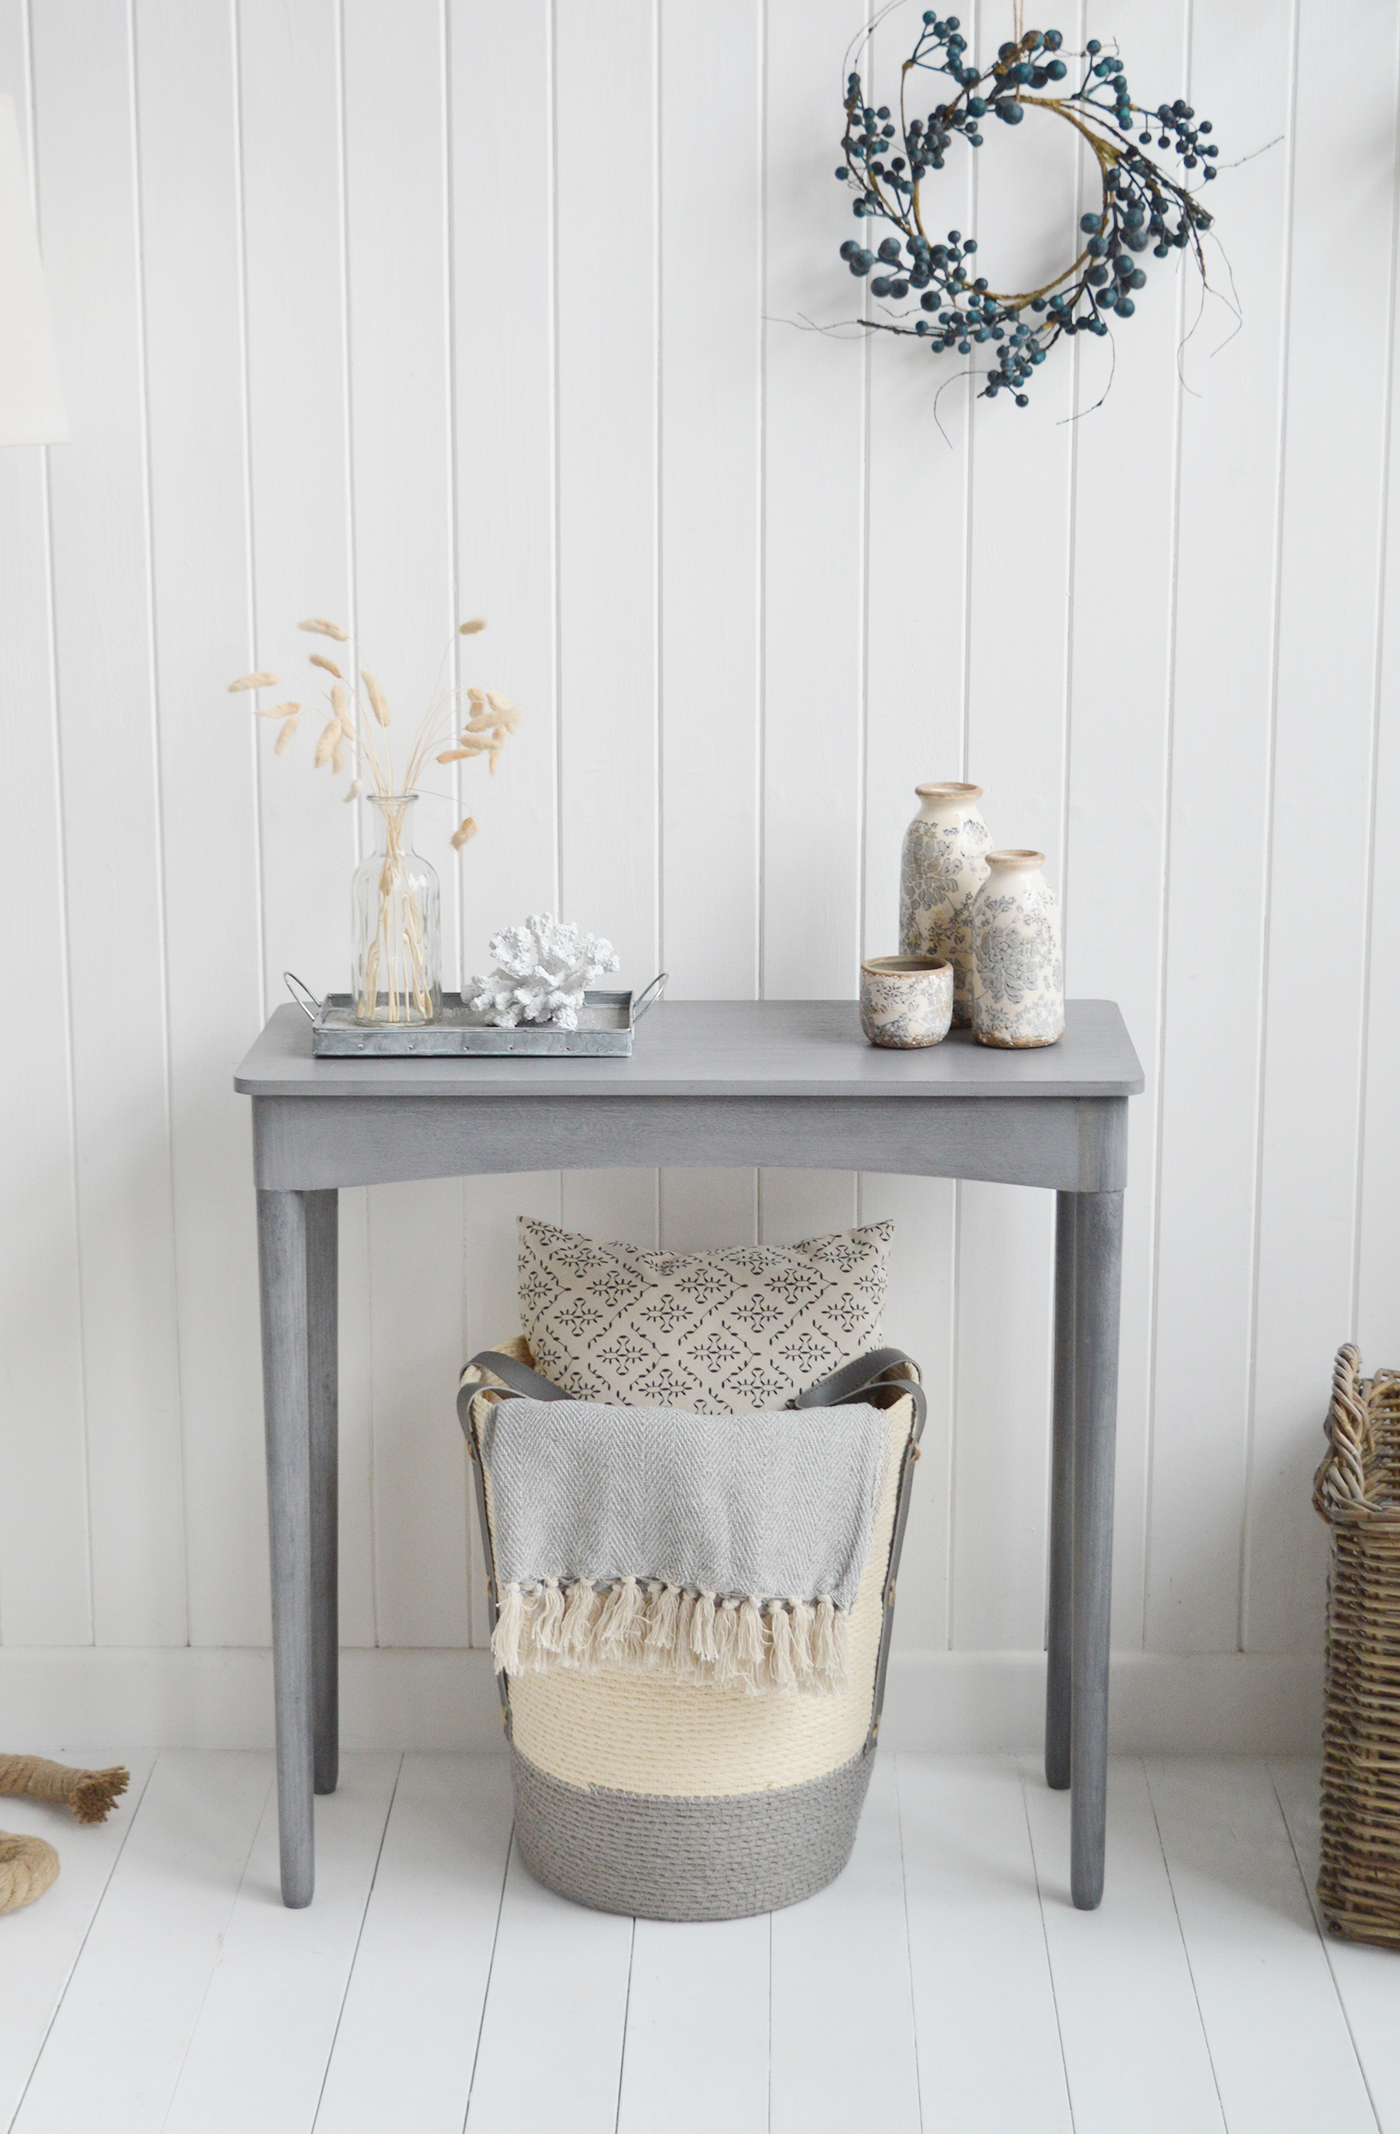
(282, 1264)
(322, 1238)
(1057, 1679)
(1097, 1275)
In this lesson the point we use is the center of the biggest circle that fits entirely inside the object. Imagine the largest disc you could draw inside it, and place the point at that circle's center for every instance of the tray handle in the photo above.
(301, 993)
(649, 996)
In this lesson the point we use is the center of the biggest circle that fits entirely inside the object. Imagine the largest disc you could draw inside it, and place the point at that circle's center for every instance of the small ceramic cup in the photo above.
(906, 1000)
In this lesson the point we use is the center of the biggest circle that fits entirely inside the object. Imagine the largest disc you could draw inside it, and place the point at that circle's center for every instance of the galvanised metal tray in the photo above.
(607, 1022)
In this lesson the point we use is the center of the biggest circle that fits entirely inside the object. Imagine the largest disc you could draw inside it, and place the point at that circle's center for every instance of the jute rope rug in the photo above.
(28, 1866)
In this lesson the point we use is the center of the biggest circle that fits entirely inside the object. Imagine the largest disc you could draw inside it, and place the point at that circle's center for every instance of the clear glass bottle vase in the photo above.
(397, 975)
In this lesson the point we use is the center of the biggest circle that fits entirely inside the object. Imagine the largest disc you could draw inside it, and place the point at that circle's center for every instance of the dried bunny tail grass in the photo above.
(319, 627)
(253, 681)
(482, 722)
(275, 711)
(338, 754)
(328, 744)
(318, 659)
(469, 629)
(376, 697)
(357, 786)
(284, 738)
(495, 759)
(498, 702)
(337, 696)
(470, 746)
(476, 694)
(464, 832)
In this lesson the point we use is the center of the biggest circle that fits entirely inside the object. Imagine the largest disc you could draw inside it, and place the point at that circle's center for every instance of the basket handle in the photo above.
(1339, 1487)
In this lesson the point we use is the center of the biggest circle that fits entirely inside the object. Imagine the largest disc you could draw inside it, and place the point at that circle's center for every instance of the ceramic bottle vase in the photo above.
(1018, 980)
(942, 869)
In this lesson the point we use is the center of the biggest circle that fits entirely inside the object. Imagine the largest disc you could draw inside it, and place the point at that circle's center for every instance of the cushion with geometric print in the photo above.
(748, 1326)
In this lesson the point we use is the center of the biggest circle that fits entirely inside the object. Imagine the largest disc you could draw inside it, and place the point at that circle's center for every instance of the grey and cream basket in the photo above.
(1357, 1491)
(640, 1794)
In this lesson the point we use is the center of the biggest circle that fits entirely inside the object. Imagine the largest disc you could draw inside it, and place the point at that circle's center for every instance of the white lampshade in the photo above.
(31, 400)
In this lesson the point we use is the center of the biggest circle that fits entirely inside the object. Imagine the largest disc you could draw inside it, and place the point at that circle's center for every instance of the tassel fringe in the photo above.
(762, 1647)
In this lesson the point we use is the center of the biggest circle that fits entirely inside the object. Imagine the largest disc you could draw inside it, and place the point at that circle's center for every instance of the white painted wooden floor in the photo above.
(944, 1982)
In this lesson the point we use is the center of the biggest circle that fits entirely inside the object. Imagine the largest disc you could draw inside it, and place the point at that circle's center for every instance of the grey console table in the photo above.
(785, 1083)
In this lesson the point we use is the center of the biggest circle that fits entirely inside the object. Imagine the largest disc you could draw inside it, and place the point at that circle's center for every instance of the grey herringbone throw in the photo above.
(729, 1547)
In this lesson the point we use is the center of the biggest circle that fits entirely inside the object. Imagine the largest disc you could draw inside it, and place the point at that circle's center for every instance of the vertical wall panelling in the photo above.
(1377, 1291)
(502, 169)
(406, 315)
(813, 564)
(45, 1596)
(710, 579)
(186, 100)
(814, 439)
(299, 487)
(502, 120)
(918, 468)
(1119, 760)
(1019, 579)
(405, 605)
(606, 230)
(1223, 658)
(1343, 198)
(711, 306)
(112, 831)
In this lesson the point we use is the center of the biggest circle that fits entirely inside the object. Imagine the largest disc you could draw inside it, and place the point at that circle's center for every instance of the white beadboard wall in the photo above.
(405, 312)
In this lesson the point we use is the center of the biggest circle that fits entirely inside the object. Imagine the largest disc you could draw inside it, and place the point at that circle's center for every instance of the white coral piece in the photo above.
(543, 969)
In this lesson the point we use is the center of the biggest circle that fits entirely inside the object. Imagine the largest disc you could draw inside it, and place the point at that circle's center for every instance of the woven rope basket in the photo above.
(665, 1800)
(1357, 1492)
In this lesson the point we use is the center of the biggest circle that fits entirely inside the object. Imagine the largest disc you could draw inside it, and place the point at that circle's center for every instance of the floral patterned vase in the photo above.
(1018, 980)
(906, 1001)
(942, 869)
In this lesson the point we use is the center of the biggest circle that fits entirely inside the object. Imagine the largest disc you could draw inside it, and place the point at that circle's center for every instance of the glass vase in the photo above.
(397, 976)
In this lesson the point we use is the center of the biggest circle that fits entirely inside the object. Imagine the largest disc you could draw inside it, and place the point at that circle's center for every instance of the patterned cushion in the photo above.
(714, 1332)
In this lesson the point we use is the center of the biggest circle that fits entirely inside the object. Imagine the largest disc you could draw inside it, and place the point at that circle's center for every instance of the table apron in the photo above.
(1074, 1144)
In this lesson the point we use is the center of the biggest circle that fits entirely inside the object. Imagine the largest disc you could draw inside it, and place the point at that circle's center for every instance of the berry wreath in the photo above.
(1142, 208)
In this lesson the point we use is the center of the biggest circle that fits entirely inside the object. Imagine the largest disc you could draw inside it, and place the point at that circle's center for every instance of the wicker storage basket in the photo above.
(1357, 1492)
(638, 1794)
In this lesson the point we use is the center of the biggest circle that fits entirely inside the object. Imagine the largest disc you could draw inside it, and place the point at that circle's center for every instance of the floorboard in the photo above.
(843, 2046)
(1367, 1978)
(556, 2011)
(282, 1975)
(984, 2001)
(944, 1982)
(113, 2055)
(1134, 2046)
(1283, 2057)
(408, 2032)
(41, 1944)
(695, 2059)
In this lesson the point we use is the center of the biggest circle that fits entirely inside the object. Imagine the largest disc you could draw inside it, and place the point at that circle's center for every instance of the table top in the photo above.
(725, 1048)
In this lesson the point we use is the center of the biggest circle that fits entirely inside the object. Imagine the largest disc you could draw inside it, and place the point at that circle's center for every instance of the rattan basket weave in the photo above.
(1357, 1492)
